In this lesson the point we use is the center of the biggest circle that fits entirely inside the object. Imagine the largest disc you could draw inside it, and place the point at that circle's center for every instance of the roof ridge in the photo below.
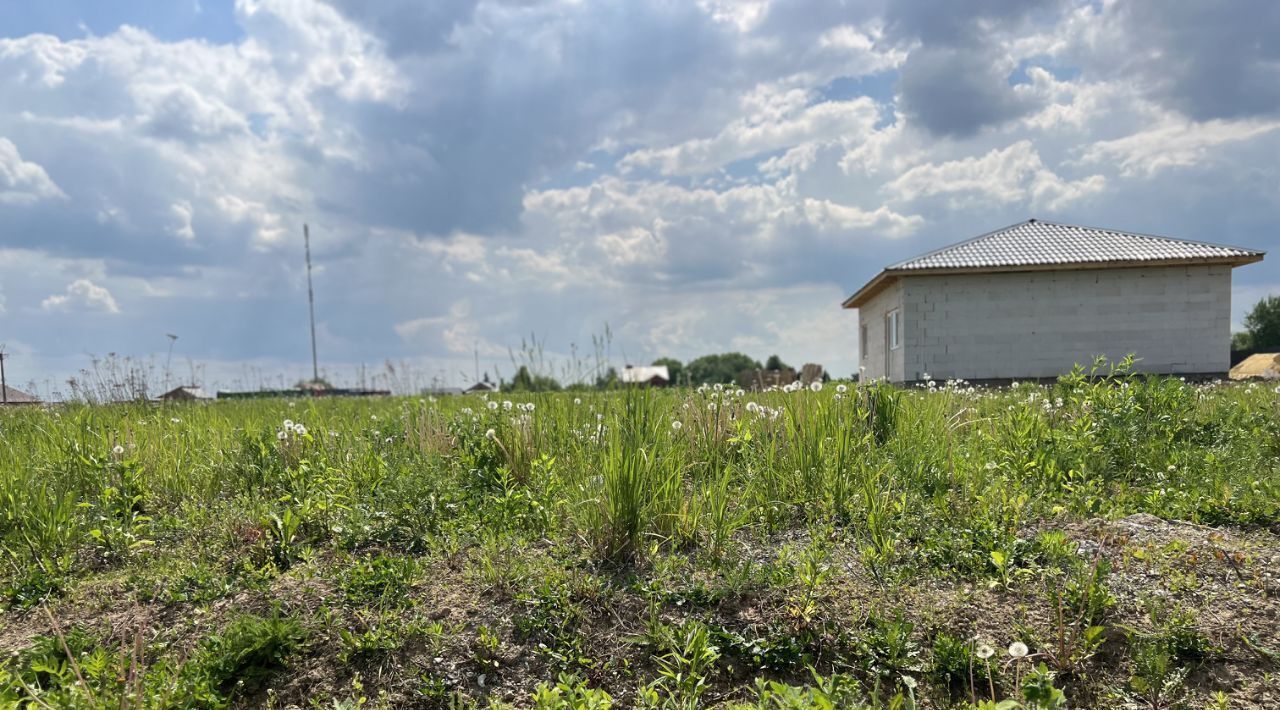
(966, 242)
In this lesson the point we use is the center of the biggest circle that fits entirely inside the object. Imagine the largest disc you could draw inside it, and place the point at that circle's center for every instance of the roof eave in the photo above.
(888, 276)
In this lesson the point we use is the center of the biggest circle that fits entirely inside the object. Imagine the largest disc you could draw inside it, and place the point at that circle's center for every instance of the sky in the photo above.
(666, 178)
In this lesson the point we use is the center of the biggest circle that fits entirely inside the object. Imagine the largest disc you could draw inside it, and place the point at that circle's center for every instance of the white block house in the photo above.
(1033, 299)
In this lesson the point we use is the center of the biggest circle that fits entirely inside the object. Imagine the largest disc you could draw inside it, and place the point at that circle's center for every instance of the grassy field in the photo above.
(1110, 543)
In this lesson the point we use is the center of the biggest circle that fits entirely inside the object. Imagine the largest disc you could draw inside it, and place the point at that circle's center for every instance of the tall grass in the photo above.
(947, 475)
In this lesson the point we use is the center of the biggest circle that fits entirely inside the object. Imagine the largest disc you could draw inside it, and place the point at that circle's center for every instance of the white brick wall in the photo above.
(872, 314)
(1039, 324)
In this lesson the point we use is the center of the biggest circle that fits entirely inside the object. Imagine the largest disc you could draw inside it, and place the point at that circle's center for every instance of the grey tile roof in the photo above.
(1045, 246)
(1039, 243)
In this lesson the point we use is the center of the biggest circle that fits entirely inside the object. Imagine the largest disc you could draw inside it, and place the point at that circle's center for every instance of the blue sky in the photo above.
(693, 176)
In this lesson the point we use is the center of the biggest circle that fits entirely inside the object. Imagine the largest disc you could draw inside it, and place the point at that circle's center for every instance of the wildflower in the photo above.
(1017, 649)
(676, 425)
(507, 404)
(374, 417)
(741, 392)
(175, 420)
(753, 407)
(529, 407)
(491, 435)
(288, 425)
(577, 401)
(281, 435)
(118, 450)
(493, 406)
(841, 389)
(815, 386)
(985, 651)
(299, 430)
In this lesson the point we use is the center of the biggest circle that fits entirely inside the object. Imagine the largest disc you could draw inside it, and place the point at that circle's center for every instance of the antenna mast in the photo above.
(311, 300)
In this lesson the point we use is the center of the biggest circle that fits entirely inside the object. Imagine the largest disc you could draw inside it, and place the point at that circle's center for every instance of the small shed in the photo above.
(185, 393)
(650, 376)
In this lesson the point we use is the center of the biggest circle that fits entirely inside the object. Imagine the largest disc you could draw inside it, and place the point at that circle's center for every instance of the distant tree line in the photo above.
(721, 368)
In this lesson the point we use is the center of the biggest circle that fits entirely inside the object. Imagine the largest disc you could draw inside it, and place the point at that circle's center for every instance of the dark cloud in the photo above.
(1206, 59)
(956, 91)
(953, 82)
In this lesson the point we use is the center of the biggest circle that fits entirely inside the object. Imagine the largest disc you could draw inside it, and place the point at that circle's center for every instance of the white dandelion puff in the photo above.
(1017, 649)
(815, 386)
(118, 450)
(985, 651)
(676, 425)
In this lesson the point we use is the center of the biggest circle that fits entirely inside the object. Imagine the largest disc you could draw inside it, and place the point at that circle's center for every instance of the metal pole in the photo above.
(311, 299)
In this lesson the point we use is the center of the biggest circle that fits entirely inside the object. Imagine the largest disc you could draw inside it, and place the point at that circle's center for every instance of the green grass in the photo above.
(665, 548)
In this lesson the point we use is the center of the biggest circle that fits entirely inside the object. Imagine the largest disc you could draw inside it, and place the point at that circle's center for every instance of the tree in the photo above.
(524, 381)
(1263, 323)
(675, 368)
(608, 380)
(723, 368)
(775, 363)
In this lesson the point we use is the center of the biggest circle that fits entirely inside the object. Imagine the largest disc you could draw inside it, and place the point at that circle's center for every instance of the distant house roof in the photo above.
(14, 396)
(632, 375)
(1036, 245)
(483, 387)
(185, 392)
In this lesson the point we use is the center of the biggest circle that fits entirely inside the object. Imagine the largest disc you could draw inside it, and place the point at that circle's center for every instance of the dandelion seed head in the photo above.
(985, 651)
(1017, 649)
(815, 386)
(118, 450)
(676, 425)
(841, 389)
(282, 435)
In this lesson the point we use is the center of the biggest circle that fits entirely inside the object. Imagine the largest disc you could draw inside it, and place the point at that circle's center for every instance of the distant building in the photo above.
(482, 388)
(646, 376)
(1031, 300)
(15, 396)
(185, 393)
(759, 380)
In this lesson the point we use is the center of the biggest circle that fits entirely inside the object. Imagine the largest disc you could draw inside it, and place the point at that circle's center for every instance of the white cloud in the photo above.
(1174, 143)
(782, 121)
(1014, 174)
(82, 294)
(182, 215)
(23, 182)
